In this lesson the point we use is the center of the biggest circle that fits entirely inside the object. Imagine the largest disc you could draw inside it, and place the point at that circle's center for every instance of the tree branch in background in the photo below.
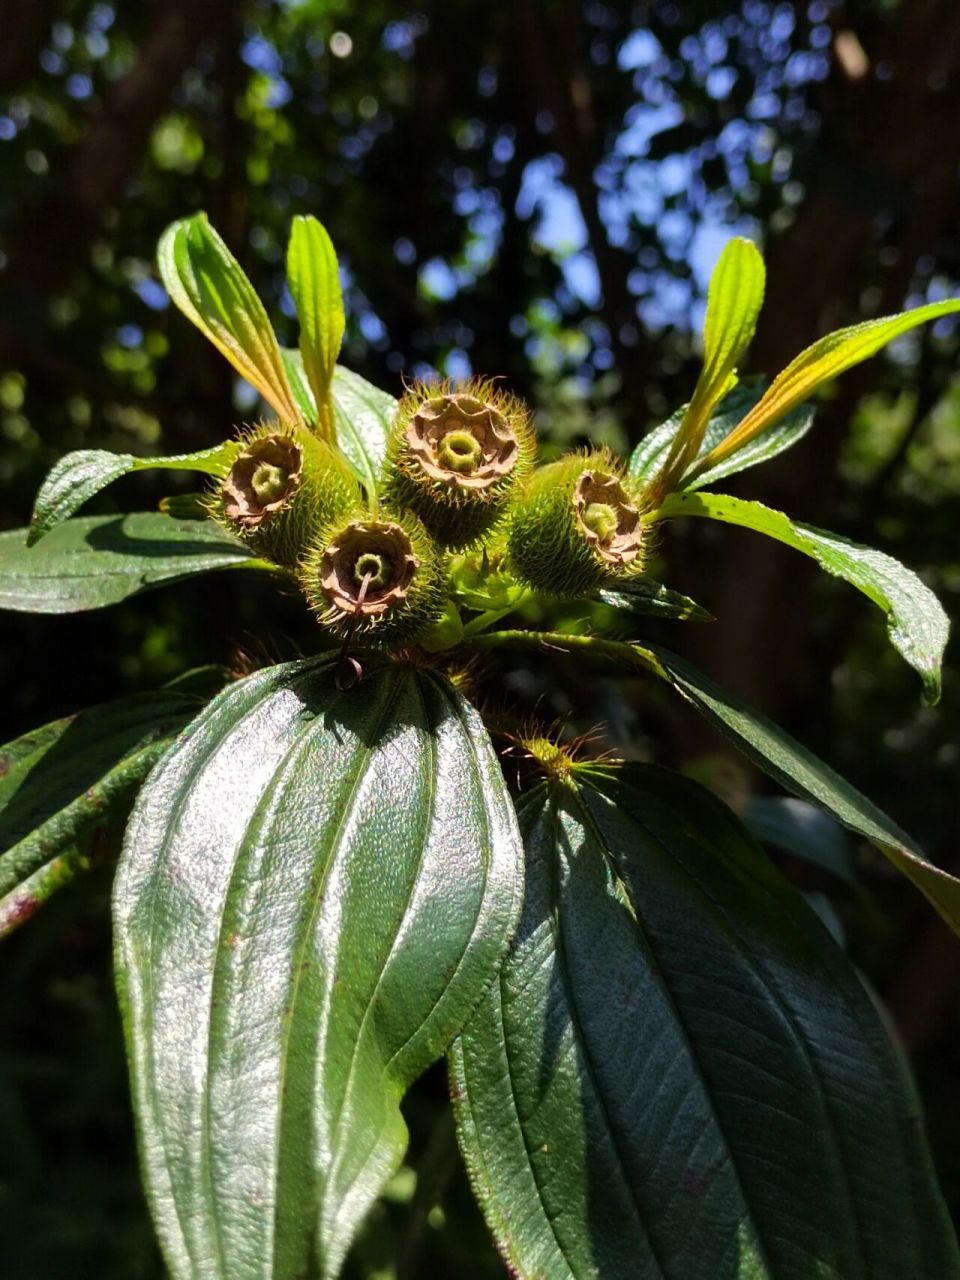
(557, 79)
(53, 238)
(25, 25)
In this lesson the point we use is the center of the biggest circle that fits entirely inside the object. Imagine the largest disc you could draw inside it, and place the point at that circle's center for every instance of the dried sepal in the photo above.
(577, 525)
(456, 455)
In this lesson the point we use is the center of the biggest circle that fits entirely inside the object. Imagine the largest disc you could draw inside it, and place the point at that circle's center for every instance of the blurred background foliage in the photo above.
(536, 189)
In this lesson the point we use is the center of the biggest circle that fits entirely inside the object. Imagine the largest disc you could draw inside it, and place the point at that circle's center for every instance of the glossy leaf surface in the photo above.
(93, 561)
(61, 785)
(647, 596)
(799, 771)
(677, 1074)
(364, 415)
(650, 454)
(316, 888)
(916, 623)
(79, 475)
(314, 281)
(206, 282)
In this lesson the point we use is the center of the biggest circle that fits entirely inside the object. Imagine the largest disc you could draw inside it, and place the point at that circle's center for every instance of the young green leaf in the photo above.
(209, 286)
(734, 299)
(78, 476)
(649, 455)
(677, 1073)
(316, 887)
(314, 280)
(916, 623)
(93, 561)
(63, 785)
(818, 364)
(800, 772)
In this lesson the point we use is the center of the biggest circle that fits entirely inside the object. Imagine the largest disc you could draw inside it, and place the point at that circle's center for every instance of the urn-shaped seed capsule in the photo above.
(284, 485)
(609, 517)
(262, 480)
(576, 526)
(456, 456)
(378, 580)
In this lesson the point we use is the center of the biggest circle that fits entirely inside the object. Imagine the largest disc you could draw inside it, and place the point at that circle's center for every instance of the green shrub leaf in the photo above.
(93, 561)
(817, 365)
(647, 596)
(364, 415)
(734, 299)
(64, 785)
(677, 1073)
(800, 772)
(651, 453)
(314, 281)
(299, 384)
(206, 282)
(315, 890)
(78, 476)
(916, 623)
(804, 830)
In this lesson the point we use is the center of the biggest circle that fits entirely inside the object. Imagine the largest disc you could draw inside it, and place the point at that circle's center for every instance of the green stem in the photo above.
(486, 619)
(17, 906)
(633, 655)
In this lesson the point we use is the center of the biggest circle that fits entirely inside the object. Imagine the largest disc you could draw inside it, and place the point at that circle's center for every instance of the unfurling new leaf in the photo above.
(818, 364)
(206, 282)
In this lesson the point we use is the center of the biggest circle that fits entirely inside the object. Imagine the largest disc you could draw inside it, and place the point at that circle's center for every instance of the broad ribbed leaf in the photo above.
(916, 623)
(78, 476)
(646, 596)
(734, 299)
(316, 888)
(650, 454)
(206, 282)
(63, 784)
(93, 561)
(677, 1074)
(802, 773)
(819, 364)
(314, 280)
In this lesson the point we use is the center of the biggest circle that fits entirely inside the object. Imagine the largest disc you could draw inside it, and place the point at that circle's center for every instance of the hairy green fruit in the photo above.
(456, 456)
(378, 580)
(577, 525)
(285, 484)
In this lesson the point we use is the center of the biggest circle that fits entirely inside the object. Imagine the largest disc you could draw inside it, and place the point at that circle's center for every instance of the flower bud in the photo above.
(283, 486)
(577, 526)
(456, 456)
(379, 580)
